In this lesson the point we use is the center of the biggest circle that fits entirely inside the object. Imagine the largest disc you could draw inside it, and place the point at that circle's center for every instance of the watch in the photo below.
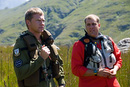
(95, 72)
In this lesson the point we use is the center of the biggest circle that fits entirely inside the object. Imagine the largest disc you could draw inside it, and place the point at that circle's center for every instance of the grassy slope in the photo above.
(106, 10)
(114, 15)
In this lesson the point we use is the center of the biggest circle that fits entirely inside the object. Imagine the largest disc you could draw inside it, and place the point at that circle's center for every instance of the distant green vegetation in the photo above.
(8, 77)
(64, 19)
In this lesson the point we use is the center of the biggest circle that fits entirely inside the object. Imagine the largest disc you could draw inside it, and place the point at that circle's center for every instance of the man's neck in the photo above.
(37, 35)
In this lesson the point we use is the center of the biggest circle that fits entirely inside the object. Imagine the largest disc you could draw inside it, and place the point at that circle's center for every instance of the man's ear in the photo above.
(98, 25)
(27, 22)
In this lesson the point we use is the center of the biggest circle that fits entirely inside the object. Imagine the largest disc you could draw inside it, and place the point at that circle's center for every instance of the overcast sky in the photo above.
(11, 3)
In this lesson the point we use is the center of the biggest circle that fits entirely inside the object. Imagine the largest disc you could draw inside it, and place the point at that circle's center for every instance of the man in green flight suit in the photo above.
(33, 54)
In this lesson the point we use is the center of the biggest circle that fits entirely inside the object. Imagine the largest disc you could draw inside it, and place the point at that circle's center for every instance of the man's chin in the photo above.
(93, 35)
(40, 31)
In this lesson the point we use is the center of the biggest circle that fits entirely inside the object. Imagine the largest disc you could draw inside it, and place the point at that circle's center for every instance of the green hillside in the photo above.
(64, 19)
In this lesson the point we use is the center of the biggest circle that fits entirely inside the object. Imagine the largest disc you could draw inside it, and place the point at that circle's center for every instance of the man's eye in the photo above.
(94, 24)
(88, 24)
(38, 20)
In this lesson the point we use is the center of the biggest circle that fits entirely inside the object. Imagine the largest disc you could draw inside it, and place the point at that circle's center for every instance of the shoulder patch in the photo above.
(86, 40)
(16, 52)
(18, 63)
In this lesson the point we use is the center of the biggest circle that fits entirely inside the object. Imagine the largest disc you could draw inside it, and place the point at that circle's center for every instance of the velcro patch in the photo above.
(18, 63)
(86, 40)
(16, 52)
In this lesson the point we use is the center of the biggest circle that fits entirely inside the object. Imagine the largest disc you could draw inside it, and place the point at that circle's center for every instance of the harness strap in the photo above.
(24, 48)
(86, 55)
(89, 50)
(47, 39)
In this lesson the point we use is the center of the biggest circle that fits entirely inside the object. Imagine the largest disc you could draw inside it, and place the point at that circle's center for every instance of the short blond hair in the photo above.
(92, 16)
(30, 12)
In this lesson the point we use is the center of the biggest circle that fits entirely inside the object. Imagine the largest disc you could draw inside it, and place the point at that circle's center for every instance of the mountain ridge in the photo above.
(64, 19)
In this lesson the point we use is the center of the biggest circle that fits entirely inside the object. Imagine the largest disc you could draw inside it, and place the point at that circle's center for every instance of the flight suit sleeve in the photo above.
(23, 65)
(61, 80)
(77, 59)
(117, 54)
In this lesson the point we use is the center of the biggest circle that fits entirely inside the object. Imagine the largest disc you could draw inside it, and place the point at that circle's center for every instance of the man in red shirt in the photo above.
(95, 58)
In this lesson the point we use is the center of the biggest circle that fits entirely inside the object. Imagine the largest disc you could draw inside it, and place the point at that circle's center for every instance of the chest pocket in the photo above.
(109, 58)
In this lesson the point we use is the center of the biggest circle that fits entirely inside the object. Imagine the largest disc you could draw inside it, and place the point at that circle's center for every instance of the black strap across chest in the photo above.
(88, 50)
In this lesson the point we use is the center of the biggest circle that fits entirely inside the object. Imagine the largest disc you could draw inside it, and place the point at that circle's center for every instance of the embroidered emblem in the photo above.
(86, 40)
(16, 52)
(18, 63)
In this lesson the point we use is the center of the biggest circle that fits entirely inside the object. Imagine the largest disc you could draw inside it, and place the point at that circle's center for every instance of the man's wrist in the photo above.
(95, 72)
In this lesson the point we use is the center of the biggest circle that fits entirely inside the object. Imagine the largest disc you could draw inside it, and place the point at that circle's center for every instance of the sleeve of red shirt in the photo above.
(117, 54)
(77, 59)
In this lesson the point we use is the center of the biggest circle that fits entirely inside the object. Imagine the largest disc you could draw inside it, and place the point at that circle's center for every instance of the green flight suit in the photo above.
(29, 71)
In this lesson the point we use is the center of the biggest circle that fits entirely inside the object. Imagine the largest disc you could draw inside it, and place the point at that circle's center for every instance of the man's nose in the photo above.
(42, 22)
(91, 26)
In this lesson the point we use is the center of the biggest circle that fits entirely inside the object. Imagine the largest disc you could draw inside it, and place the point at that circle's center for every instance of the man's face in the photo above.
(92, 27)
(36, 25)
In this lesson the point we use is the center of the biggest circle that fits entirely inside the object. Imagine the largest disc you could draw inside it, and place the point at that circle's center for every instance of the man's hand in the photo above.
(45, 52)
(113, 72)
(103, 73)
